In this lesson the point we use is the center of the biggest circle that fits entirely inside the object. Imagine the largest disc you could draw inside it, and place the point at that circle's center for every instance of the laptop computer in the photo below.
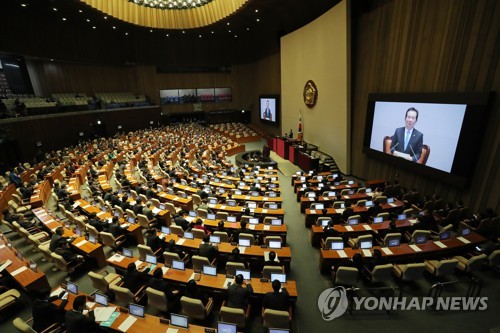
(231, 203)
(245, 273)
(276, 222)
(281, 277)
(445, 235)
(369, 203)
(274, 244)
(150, 259)
(273, 206)
(252, 205)
(136, 310)
(165, 230)
(366, 245)
(179, 320)
(279, 330)
(212, 201)
(401, 217)
(209, 270)
(465, 231)
(131, 220)
(188, 235)
(253, 220)
(337, 245)
(101, 299)
(178, 264)
(92, 239)
(72, 287)
(127, 252)
(353, 221)
(421, 239)
(393, 242)
(78, 232)
(378, 219)
(324, 223)
(311, 194)
(244, 242)
(33, 266)
(318, 206)
(192, 213)
(390, 200)
(210, 216)
(231, 218)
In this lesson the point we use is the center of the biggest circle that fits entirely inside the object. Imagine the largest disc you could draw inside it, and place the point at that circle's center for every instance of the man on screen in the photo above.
(267, 115)
(407, 141)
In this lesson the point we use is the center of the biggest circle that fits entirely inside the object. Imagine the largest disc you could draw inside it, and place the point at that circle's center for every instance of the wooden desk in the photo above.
(319, 190)
(404, 253)
(239, 209)
(5, 197)
(41, 194)
(176, 200)
(307, 163)
(211, 283)
(282, 147)
(306, 202)
(27, 279)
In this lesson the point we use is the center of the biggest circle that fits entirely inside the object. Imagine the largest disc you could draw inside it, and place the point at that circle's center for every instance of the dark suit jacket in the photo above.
(57, 241)
(154, 242)
(237, 296)
(46, 313)
(208, 251)
(116, 230)
(348, 212)
(162, 285)
(276, 300)
(133, 280)
(78, 323)
(414, 148)
(182, 222)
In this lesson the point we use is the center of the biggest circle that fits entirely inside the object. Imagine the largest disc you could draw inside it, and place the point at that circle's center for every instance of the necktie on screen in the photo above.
(407, 138)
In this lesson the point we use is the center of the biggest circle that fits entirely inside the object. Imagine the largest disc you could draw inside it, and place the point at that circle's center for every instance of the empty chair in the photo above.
(355, 242)
(198, 233)
(391, 236)
(169, 256)
(361, 203)
(196, 199)
(385, 215)
(203, 213)
(130, 213)
(338, 204)
(103, 280)
(250, 237)
(158, 299)
(380, 273)
(176, 230)
(276, 319)
(234, 315)
(123, 296)
(494, 259)
(194, 308)
(143, 198)
(416, 234)
(109, 240)
(143, 221)
(155, 202)
(171, 208)
(199, 262)
(472, 264)
(81, 225)
(16, 208)
(221, 216)
(439, 268)
(327, 243)
(224, 237)
(231, 267)
(145, 250)
(92, 231)
(345, 276)
(47, 255)
(361, 190)
(382, 199)
(63, 265)
(36, 242)
(345, 192)
(409, 272)
(268, 270)
(8, 298)
(24, 327)
(120, 211)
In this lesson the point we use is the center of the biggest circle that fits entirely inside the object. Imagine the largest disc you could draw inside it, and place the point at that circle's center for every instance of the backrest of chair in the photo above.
(221, 216)
(44, 250)
(170, 207)
(143, 250)
(143, 220)
(203, 213)
(245, 218)
(196, 199)
(198, 233)
(99, 282)
(385, 215)
(155, 202)
(231, 267)
(413, 271)
(250, 237)
(198, 262)
(133, 194)
(338, 204)
(387, 144)
(391, 236)
(177, 230)
(169, 256)
(345, 191)
(143, 197)
(92, 230)
(107, 238)
(363, 238)
(273, 238)
(21, 326)
(193, 308)
(361, 190)
(34, 241)
(233, 315)
(224, 237)
(424, 155)
(319, 220)
(276, 319)
(130, 213)
(494, 258)
(381, 273)
(418, 233)
(157, 299)
(361, 203)
(81, 225)
(119, 210)
(446, 267)
(381, 199)
(475, 263)
(346, 276)
(59, 261)
(267, 270)
(123, 295)
(330, 240)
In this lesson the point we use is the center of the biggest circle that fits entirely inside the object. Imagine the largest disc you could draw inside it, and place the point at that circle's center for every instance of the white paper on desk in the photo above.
(312, 211)
(393, 204)
(164, 270)
(367, 253)
(211, 205)
(110, 220)
(267, 227)
(251, 227)
(175, 198)
(412, 221)
(5, 264)
(2, 246)
(138, 263)
(226, 281)
(342, 253)
(386, 250)
(349, 228)
(172, 330)
(190, 219)
(90, 305)
(80, 243)
(265, 198)
(440, 244)
(156, 210)
(367, 227)
(86, 206)
(223, 207)
(247, 197)
(127, 323)
(264, 211)
(56, 292)
(415, 248)
(346, 196)
(132, 203)
(116, 257)
(242, 249)
(104, 313)
(339, 210)
(348, 186)
(180, 241)
(19, 270)
(76, 204)
(266, 256)
(100, 214)
(463, 240)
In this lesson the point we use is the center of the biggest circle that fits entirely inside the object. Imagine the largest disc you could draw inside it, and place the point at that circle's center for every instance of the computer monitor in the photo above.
(231, 218)
(178, 264)
(465, 231)
(252, 205)
(244, 272)
(151, 259)
(390, 200)
(342, 205)
(281, 277)
(192, 213)
(116, 214)
(210, 216)
(272, 194)
(324, 223)
(237, 192)
(368, 190)
(253, 220)
(401, 217)
(276, 222)
(273, 206)
(274, 244)
(337, 245)
(336, 183)
(210, 270)
(159, 188)
(445, 235)
(319, 206)
(212, 201)
(216, 180)
(214, 239)
(33, 266)
(231, 203)
(254, 193)
(279, 330)
(127, 252)
(366, 244)
(378, 219)
(165, 230)
(78, 232)
(162, 207)
(178, 320)
(421, 239)
(72, 287)
(101, 299)
(350, 182)
(354, 221)
(136, 310)
(350, 192)
(393, 242)
(104, 209)
(188, 235)
(369, 203)
(131, 220)
(332, 194)
(311, 194)
(221, 190)
(244, 242)
(92, 239)
(242, 184)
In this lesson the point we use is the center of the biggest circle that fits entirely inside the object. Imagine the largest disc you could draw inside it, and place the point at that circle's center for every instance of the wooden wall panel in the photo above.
(429, 46)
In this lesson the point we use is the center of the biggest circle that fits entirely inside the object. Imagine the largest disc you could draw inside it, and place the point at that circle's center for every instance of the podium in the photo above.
(271, 142)
(282, 147)
(306, 162)
(293, 153)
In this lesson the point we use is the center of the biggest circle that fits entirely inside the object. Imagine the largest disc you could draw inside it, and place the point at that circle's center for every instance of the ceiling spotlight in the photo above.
(228, 23)
(258, 20)
(114, 27)
(126, 34)
(150, 30)
(54, 9)
(171, 4)
(80, 11)
(64, 19)
(256, 10)
(93, 27)
(88, 20)
(24, 5)
(105, 17)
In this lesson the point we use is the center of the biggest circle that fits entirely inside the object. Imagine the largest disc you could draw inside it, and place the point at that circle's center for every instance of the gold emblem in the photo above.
(310, 93)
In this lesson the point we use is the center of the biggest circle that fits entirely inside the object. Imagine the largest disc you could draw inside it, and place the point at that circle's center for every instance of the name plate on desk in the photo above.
(342, 253)
(349, 228)
(415, 248)
(440, 244)
(367, 227)
(463, 240)
(386, 250)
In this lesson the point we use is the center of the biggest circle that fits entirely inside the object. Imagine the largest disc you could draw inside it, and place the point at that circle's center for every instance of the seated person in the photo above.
(153, 241)
(76, 322)
(172, 247)
(374, 210)
(242, 230)
(329, 231)
(207, 250)
(133, 279)
(376, 259)
(192, 291)
(95, 222)
(199, 225)
(46, 313)
(181, 221)
(114, 227)
(348, 211)
(272, 260)
(158, 283)
(238, 293)
(277, 299)
(236, 257)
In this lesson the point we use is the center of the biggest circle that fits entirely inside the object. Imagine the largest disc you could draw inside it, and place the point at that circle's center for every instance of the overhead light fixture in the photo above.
(171, 4)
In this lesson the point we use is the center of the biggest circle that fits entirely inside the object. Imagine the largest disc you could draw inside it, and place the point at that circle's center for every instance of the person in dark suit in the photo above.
(181, 221)
(138, 206)
(171, 247)
(147, 211)
(77, 322)
(114, 227)
(329, 231)
(425, 222)
(153, 241)
(236, 257)
(192, 291)
(407, 139)
(348, 211)
(207, 250)
(158, 283)
(238, 293)
(276, 300)
(272, 260)
(58, 240)
(133, 279)
(267, 114)
(374, 210)
(242, 230)
(45, 313)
